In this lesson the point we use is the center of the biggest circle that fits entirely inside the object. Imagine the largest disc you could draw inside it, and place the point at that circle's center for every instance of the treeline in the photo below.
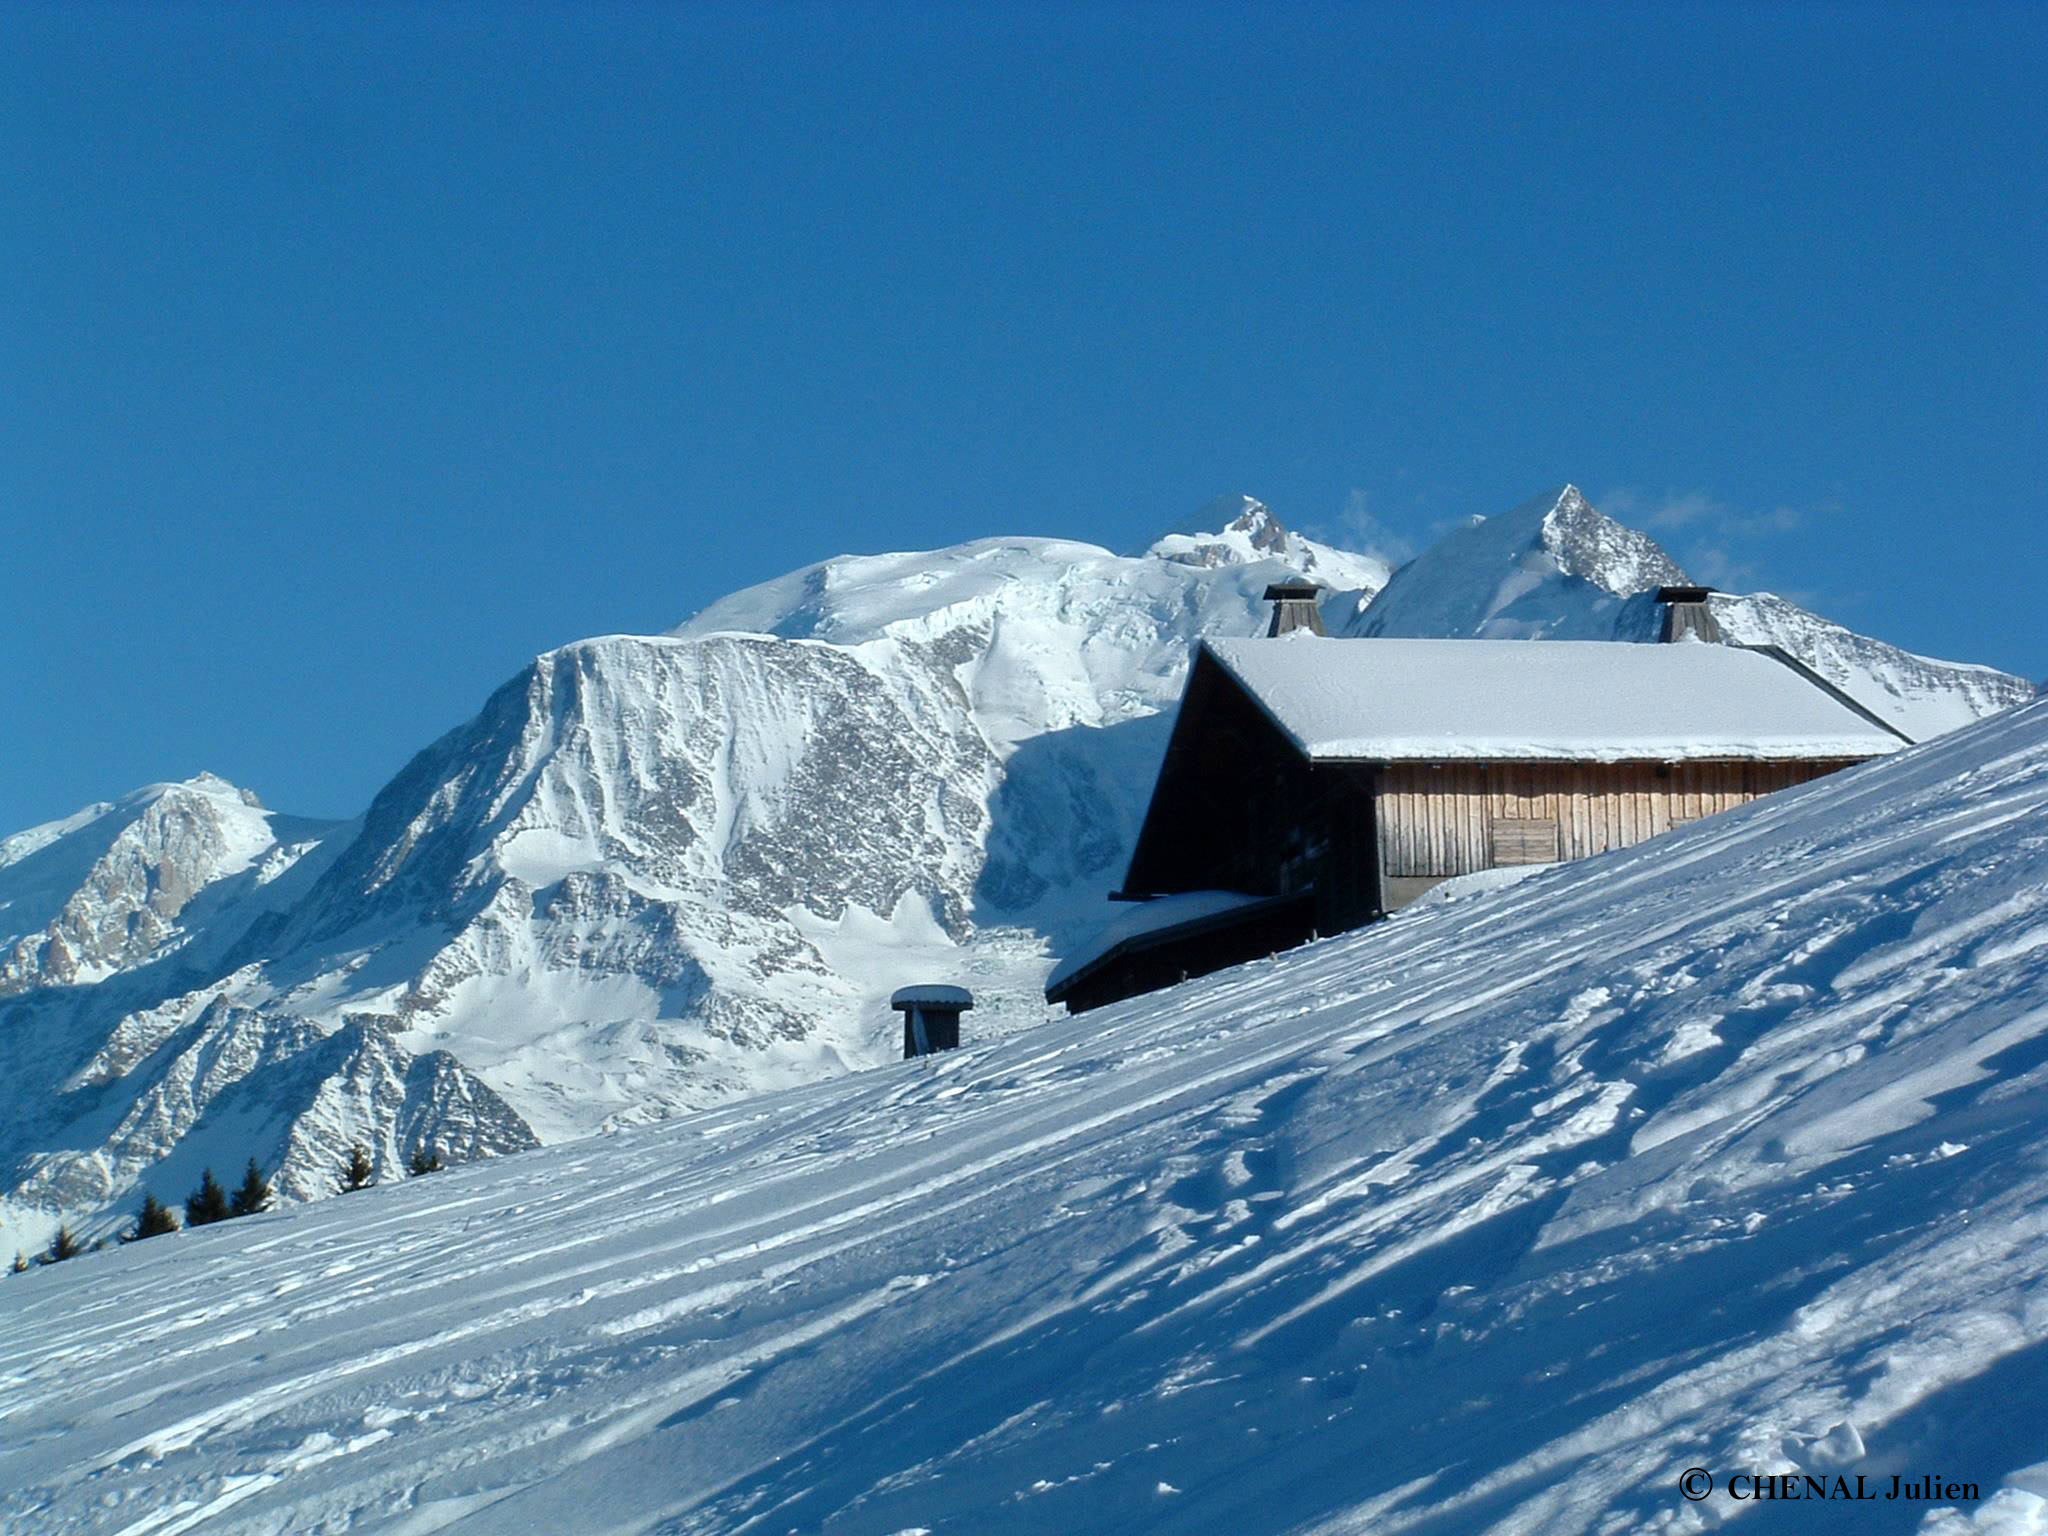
(210, 1203)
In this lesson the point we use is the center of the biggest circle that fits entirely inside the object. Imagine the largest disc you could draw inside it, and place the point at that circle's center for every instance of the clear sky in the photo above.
(349, 357)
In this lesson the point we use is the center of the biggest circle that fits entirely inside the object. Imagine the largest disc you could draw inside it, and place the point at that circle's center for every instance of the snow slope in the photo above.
(1726, 1152)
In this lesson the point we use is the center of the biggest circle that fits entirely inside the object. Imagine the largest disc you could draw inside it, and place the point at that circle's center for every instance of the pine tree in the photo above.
(254, 1195)
(206, 1204)
(424, 1161)
(153, 1221)
(357, 1175)
(63, 1246)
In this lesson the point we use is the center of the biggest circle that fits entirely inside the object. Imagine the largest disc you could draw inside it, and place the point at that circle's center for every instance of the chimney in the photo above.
(931, 1017)
(1687, 615)
(1295, 607)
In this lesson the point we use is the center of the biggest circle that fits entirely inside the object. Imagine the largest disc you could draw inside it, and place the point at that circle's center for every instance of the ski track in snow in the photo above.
(1495, 1217)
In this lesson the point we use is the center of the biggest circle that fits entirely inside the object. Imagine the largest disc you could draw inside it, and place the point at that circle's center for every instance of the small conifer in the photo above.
(63, 1246)
(357, 1174)
(206, 1204)
(153, 1221)
(254, 1195)
(425, 1161)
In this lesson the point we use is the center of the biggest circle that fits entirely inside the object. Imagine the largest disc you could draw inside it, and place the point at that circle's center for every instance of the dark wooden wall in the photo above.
(1238, 808)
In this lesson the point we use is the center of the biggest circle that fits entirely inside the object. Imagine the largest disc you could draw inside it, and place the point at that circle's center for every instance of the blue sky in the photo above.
(348, 360)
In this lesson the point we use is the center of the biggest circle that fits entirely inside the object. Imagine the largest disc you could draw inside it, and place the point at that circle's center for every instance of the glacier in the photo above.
(1721, 1152)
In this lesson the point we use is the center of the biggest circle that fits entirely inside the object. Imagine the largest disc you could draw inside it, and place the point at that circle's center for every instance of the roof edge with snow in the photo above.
(1587, 701)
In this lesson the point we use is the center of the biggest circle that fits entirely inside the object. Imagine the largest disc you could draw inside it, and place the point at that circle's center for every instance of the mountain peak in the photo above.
(1239, 513)
(203, 782)
(1587, 543)
(1242, 530)
(1552, 567)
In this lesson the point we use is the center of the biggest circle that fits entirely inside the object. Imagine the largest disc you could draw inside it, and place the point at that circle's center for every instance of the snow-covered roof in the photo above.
(1151, 919)
(1520, 700)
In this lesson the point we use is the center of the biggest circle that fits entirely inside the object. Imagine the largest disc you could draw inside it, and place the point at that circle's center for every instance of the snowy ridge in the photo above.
(1921, 696)
(108, 887)
(1059, 633)
(1726, 1153)
(1246, 531)
(1556, 569)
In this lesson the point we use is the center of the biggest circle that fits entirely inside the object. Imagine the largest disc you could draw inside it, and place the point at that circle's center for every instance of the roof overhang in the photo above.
(1074, 971)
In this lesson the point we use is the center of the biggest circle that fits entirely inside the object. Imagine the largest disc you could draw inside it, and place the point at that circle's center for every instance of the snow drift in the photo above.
(1725, 1151)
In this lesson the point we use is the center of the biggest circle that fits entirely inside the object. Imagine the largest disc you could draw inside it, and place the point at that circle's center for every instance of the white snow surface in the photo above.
(1727, 1153)
(1062, 633)
(1571, 700)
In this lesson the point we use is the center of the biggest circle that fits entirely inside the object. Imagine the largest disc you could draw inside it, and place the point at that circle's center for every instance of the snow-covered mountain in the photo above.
(655, 872)
(1234, 530)
(136, 1045)
(1552, 569)
(658, 872)
(1725, 1153)
(1556, 569)
(117, 885)
(1921, 696)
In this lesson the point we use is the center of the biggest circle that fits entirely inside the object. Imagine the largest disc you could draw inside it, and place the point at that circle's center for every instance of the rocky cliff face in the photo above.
(110, 887)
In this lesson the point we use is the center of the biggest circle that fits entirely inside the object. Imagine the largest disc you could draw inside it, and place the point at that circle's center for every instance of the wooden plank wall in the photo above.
(1438, 820)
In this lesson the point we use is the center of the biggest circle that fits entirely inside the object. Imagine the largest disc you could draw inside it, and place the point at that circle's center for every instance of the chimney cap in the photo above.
(939, 998)
(1293, 587)
(1684, 594)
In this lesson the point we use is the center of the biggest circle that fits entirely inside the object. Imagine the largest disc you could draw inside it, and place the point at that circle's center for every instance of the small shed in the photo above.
(931, 1017)
(1341, 778)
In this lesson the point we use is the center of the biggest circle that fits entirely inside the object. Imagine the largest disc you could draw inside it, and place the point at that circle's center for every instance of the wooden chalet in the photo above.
(1312, 784)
